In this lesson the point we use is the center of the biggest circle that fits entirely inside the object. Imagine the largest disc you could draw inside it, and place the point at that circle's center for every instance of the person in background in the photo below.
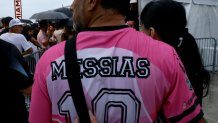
(51, 29)
(28, 34)
(50, 33)
(15, 37)
(69, 32)
(59, 30)
(126, 76)
(1, 25)
(165, 20)
(132, 20)
(42, 36)
(36, 29)
(5, 23)
(14, 73)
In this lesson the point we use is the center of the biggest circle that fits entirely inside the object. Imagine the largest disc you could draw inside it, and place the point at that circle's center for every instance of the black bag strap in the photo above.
(74, 80)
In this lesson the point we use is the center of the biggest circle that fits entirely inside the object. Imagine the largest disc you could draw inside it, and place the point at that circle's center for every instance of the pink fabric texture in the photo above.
(126, 77)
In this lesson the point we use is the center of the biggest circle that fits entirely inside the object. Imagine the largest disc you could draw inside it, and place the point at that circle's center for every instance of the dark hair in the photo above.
(27, 28)
(133, 16)
(6, 19)
(122, 6)
(43, 23)
(167, 17)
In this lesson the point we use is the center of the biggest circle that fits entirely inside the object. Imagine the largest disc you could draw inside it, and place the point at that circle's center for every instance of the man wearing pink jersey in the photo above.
(126, 76)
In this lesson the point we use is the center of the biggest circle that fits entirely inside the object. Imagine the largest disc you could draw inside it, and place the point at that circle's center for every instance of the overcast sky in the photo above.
(29, 7)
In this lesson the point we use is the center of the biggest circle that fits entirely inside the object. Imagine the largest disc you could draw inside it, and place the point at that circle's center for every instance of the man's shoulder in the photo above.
(8, 34)
(4, 34)
(4, 31)
(18, 37)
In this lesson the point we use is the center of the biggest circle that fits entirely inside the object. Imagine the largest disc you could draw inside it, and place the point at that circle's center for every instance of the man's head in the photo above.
(16, 26)
(163, 19)
(43, 25)
(93, 13)
(6, 20)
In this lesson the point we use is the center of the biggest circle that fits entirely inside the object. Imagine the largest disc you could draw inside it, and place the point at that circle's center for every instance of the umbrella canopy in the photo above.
(27, 21)
(49, 15)
(64, 10)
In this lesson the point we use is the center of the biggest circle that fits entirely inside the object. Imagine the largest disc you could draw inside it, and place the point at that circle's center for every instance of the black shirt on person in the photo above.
(15, 76)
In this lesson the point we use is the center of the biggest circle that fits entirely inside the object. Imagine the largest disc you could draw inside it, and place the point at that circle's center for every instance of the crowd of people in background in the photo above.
(163, 84)
(32, 37)
(17, 41)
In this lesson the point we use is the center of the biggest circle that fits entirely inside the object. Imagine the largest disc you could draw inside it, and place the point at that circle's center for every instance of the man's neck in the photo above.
(107, 18)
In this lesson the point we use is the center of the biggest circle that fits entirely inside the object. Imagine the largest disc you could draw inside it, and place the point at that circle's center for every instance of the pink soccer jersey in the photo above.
(127, 77)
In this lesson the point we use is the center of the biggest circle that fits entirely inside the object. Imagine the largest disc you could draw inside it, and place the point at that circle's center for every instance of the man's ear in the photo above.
(92, 4)
(153, 33)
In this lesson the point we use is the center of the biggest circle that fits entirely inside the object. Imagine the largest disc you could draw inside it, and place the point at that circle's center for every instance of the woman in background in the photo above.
(165, 20)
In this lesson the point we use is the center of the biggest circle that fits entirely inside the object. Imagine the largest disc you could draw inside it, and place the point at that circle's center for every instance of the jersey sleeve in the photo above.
(181, 104)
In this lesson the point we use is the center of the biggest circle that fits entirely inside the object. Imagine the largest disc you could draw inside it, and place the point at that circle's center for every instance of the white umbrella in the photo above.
(49, 15)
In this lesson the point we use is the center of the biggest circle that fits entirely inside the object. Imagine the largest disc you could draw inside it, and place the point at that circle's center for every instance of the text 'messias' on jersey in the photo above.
(127, 77)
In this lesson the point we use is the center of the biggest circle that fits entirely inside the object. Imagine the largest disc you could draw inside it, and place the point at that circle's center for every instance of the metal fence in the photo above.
(209, 53)
(31, 61)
